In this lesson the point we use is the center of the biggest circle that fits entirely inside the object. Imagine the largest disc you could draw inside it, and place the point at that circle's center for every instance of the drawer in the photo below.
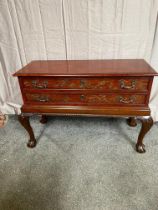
(105, 84)
(65, 98)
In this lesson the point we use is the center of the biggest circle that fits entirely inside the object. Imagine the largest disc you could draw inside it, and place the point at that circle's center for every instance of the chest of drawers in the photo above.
(118, 88)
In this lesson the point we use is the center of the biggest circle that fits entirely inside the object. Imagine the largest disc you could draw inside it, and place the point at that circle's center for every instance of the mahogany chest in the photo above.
(118, 88)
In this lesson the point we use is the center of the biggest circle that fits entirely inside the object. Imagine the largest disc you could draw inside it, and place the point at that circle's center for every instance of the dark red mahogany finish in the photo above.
(118, 88)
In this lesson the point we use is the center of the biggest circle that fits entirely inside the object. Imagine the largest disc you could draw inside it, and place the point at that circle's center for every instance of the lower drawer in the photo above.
(85, 98)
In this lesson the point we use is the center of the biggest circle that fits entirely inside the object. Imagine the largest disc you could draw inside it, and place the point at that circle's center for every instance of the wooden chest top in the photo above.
(88, 68)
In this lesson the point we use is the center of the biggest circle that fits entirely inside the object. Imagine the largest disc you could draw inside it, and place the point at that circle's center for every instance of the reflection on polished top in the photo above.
(121, 67)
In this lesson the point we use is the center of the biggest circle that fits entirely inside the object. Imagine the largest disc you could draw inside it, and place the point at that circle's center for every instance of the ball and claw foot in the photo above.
(43, 119)
(24, 120)
(31, 144)
(147, 123)
(140, 148)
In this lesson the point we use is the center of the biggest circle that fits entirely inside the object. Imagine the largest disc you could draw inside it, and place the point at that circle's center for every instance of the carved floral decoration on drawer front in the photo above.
(96, 84)
(74, 98)
(109, 84)
(86, 99)
(70, 83)
(96, 99)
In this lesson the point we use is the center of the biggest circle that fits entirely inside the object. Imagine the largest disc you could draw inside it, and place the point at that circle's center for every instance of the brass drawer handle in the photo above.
(123, 86)
(125, 101)
(43, 99)
(39, 86)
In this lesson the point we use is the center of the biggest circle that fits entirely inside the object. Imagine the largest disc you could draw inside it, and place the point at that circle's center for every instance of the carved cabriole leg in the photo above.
(132, 121)
(147, 123)
(24, 120)
(43, 119)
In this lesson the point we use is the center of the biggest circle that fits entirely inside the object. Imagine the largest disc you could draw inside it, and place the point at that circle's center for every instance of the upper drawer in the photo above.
(106, 84)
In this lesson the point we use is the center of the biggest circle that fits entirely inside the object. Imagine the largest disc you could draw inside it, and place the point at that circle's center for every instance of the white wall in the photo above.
(69, 29)
(154, 63)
